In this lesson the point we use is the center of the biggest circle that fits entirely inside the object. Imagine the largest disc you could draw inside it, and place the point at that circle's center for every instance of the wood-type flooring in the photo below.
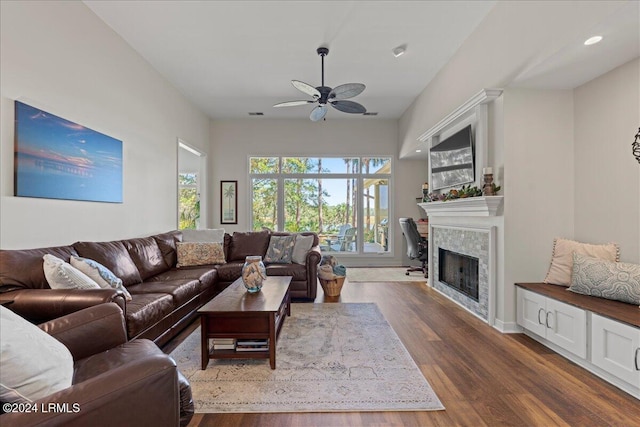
(482, 377)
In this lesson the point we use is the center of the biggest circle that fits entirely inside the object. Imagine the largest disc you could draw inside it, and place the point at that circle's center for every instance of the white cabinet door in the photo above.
(616, 348)
(531, 311)
(560, 323)
(567, 327)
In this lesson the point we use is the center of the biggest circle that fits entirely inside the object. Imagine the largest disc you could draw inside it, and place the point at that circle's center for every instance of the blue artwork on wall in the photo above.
(59, 159)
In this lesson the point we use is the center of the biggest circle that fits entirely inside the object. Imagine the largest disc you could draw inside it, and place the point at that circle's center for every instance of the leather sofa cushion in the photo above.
(297, 271)
(182, 290)
(244, 244)
(23, 268)
(146, 255)
(206, 275)
(146, 310)
(230, 271)
(167, 244)
(114, 256)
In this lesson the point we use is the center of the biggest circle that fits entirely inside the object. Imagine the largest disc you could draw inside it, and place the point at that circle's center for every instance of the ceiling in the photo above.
(231, 58)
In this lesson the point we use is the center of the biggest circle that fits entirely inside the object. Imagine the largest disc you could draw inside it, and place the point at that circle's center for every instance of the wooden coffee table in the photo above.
(236, 313)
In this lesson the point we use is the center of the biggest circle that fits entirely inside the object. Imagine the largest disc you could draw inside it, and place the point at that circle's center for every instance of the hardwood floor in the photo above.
(482, 377)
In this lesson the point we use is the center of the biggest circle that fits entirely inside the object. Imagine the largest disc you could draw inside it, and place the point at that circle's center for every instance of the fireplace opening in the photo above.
(459, 272)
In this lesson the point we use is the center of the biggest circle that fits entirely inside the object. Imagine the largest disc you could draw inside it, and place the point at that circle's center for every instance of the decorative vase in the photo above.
(253, 273)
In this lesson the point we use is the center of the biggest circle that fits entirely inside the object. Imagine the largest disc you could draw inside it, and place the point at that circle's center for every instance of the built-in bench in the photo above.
(614, 310)
(598, 334)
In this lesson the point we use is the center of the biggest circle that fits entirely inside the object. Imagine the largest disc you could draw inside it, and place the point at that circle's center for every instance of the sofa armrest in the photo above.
(78, 331)
(142, 392)
(313, 259)
(41, 305)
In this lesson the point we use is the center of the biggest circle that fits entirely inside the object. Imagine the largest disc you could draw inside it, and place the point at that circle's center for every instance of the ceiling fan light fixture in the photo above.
(399, 51)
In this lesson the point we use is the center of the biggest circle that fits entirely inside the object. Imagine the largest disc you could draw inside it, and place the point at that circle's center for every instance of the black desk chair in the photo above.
(417, 246)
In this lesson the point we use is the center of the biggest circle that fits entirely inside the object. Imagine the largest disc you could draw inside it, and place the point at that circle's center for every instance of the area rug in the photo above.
(329, 358)
(383, 274)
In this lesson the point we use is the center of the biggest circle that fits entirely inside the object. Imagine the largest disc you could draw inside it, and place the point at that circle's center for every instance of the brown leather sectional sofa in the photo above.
(165, 298)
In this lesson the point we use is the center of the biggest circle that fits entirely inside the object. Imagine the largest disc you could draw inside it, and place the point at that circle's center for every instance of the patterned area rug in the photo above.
(383, 274)
(329, 358)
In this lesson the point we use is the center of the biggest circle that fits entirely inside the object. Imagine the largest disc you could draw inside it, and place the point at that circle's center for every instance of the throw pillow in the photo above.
(34, 364)
(215, 235)
(618, 281)
(562, 258)
(302, 245)
(100, 274)
(280, 249)
(62, 275)
(199, 253)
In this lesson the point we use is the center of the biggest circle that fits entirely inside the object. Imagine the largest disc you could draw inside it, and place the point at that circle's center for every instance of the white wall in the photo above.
(58, 56)
(539, 190)
(233, 141)
(607, 176)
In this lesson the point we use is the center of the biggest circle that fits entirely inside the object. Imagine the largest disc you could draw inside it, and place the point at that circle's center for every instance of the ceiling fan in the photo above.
(324, 95)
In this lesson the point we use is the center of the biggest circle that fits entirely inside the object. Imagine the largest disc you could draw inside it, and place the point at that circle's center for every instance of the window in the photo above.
(345, 200)
(188, 201)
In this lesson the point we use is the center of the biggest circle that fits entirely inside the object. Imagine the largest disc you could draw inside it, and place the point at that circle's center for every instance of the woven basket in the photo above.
(333, 287)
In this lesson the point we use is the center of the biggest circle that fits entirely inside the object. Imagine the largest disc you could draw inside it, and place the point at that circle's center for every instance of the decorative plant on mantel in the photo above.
(464, 192)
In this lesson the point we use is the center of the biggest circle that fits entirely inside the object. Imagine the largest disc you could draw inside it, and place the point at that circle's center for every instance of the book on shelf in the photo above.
(263, 342)
(224, 343)
(252, 345)
(262, 347)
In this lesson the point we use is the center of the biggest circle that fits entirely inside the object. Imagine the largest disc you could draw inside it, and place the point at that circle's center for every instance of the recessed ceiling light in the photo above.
(592, 40)
(399, 51)
(418, 151)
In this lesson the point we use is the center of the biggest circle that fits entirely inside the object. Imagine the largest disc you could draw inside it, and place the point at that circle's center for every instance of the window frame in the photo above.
(360, 178)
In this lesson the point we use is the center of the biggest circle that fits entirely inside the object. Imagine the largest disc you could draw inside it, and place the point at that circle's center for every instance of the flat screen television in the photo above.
(452, 160)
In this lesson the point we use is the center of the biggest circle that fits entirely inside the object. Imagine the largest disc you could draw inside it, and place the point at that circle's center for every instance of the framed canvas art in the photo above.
(58, 159)
(228, 202)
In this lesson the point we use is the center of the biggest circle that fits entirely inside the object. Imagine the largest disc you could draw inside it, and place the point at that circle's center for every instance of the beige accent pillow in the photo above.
(300, 248)
(562, 258)
(199, 253)
(34, 364)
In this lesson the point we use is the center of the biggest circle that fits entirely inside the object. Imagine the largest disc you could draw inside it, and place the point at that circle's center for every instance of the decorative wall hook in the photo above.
(635, 146)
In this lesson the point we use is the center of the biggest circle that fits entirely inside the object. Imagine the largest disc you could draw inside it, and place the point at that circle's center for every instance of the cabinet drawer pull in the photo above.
(540, 311)
(635, 360)
(546, 320)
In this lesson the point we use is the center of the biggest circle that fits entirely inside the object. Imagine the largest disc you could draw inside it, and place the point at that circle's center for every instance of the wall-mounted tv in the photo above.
(452, 160)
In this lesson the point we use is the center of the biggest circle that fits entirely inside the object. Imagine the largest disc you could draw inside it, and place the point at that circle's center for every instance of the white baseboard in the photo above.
(507, 327)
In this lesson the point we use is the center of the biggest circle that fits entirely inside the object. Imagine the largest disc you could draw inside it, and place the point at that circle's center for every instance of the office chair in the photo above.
(417, 246)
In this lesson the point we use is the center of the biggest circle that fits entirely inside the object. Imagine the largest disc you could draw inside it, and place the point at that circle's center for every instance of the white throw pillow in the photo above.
(34, 364)
(62, 275)
(300, 248)
(209, 235)
(100, 274)
(562, 258)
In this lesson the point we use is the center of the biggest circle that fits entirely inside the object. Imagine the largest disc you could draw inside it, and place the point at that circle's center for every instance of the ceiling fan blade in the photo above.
(346, 91)
(318, 113)
(349, 107)
(306, 88)
(293, 103)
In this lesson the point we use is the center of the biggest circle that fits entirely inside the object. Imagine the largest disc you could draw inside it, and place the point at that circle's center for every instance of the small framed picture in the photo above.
(228, 202)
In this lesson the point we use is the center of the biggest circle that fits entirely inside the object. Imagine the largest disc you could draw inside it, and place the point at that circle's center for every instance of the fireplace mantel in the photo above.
(470, 206)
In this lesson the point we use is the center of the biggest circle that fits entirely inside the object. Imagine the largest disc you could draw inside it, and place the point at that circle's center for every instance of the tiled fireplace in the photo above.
(463, 263)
